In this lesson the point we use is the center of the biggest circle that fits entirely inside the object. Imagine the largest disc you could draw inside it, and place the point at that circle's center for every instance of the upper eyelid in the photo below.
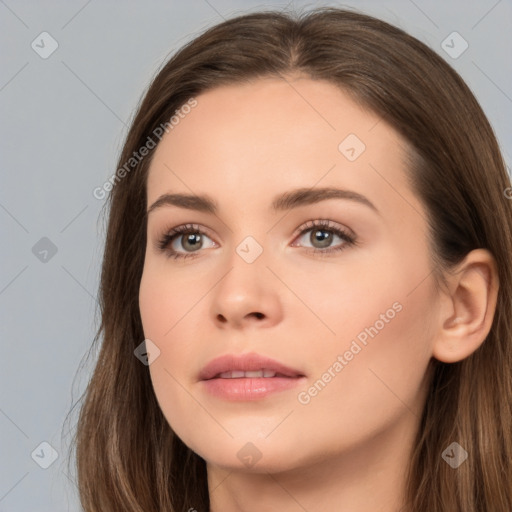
(326, 224)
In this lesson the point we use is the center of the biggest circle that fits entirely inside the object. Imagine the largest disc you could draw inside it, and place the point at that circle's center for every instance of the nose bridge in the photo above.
(248, 239)
(247, 267)
(250, 250)
(246, 292)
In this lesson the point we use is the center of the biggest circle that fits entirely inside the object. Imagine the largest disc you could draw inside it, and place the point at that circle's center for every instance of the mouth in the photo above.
(250, 366)
(248, 377)
(240, 374)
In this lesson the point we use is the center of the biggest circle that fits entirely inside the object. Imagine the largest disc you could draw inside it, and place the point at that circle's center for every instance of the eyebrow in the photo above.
(282, 202)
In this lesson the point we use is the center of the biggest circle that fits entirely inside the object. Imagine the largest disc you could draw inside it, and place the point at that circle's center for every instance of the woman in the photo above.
(306, 287)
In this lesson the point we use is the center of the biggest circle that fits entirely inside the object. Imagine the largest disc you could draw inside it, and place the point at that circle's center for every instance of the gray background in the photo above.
(63, 122)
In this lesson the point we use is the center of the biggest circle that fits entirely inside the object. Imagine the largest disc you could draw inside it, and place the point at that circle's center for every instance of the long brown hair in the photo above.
(128, 458)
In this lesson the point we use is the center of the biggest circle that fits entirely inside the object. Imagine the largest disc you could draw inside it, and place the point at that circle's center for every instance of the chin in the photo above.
(250, 456)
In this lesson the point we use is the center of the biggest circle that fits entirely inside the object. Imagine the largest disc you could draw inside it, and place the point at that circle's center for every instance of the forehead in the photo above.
(243, 141)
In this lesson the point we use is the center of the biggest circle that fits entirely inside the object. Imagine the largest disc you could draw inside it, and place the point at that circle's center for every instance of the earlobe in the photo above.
(468, 307)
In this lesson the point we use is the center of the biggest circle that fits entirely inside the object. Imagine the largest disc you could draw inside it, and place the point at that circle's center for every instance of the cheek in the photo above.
(164, 305)
(385, 348)
(165, 309)
(373, 368)
(167, 299)
(156, 306)
(355, 298)
(169, 311)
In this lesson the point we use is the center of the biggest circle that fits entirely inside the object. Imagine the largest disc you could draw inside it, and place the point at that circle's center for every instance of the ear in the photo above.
(467, 307)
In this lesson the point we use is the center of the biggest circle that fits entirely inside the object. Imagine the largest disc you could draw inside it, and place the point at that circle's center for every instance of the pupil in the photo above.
(194, 240)
(324, 238)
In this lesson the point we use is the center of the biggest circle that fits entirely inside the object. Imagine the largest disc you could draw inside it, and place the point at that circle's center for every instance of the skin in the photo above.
(350, 444)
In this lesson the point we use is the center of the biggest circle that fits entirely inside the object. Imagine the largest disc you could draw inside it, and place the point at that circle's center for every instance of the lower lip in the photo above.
(245, 389)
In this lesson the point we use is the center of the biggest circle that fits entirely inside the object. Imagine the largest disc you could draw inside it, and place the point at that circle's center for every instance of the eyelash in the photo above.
(325, 225)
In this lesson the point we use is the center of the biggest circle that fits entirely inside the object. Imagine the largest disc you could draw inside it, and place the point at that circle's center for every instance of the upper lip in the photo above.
(245, 362)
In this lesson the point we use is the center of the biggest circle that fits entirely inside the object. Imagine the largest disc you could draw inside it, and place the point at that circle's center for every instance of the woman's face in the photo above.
(347, 307)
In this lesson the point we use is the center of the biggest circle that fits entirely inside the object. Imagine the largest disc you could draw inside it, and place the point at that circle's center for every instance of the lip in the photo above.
(247, 388)
(245, 362)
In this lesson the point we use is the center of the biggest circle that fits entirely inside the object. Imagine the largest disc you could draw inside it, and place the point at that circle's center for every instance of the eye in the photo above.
(322, 234)
(187, 240)
(189, 237)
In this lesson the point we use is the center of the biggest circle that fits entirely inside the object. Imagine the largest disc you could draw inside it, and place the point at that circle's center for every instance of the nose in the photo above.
(246, 297)
(237, 319)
